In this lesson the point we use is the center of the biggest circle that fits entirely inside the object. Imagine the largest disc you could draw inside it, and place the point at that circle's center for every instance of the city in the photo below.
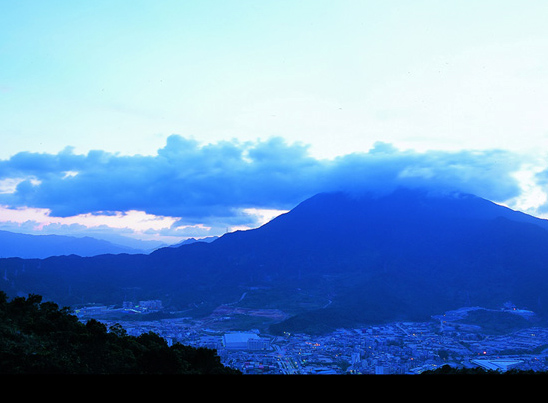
(403, 348)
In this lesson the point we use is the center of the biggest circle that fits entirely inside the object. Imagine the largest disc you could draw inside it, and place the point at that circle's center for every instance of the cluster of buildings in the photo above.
(127, 307)
(143, 306)
(395, 348)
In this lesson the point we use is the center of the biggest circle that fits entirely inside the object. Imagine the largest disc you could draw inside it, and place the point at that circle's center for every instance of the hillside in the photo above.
(334, 260)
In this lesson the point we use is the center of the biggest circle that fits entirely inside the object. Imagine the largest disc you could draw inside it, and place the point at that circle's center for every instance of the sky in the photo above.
(163, 120)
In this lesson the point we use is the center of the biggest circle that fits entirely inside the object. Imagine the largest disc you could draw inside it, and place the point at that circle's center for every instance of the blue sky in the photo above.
(169, 119)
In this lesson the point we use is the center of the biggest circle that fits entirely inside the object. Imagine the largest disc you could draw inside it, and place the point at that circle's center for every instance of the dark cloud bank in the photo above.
(211, 182)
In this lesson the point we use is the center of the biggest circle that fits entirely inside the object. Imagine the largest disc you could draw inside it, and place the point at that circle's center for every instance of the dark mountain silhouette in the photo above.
(41, 246)
(193, 240)
(335, 260)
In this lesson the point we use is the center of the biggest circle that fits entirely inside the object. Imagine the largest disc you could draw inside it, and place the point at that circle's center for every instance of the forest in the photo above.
(38, 337)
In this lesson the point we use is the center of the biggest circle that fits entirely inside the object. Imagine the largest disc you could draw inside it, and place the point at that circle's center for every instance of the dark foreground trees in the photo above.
(40, 338)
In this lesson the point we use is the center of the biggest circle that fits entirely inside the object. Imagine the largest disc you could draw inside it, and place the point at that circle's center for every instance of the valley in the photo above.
(509, 341)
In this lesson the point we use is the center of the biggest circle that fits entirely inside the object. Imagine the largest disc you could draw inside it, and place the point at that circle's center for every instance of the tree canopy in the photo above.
(39, 337)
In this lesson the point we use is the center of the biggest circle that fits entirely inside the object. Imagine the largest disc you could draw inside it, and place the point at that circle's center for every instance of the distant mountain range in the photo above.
(42, 246)
(188, 241)
(335, 260)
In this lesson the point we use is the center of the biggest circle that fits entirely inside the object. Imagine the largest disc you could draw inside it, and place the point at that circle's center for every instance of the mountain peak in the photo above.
(337, 259)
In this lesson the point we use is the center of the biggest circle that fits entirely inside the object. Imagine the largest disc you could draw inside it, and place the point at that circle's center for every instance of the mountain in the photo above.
(335, 260)
(188, 241)
(41, 246)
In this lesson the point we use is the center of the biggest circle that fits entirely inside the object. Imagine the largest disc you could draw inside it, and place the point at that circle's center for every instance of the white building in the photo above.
(245, 341)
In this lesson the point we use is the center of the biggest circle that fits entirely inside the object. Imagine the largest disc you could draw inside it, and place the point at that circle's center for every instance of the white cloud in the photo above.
(136, 224)
(193, 190)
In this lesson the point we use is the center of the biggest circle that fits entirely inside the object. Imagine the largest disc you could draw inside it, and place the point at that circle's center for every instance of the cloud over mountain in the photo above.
(214, 182)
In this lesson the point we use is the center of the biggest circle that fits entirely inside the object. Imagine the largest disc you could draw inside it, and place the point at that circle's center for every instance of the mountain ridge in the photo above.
(29, 246)
(334, 260)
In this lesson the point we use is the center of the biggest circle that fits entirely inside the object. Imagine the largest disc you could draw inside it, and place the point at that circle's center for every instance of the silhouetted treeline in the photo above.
(40, 338)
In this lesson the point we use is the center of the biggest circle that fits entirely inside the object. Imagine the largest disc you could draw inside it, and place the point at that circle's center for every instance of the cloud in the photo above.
(189, 184)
